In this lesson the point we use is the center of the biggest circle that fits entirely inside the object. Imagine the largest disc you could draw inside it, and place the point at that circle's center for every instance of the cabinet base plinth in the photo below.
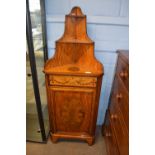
(56, 136)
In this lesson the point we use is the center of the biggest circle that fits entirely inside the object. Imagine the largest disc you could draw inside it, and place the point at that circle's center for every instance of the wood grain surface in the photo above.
(73, 82)
(117, 116)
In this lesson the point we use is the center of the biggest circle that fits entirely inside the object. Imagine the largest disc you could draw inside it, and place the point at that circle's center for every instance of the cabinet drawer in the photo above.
(119, 129)
(111, 144)
(72, 81)
(123, 101)
(122, 71)
(121, 98)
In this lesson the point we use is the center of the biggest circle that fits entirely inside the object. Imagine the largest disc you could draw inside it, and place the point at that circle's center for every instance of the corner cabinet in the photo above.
(73, 82)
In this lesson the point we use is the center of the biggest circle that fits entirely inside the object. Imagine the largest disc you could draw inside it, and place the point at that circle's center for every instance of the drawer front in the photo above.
(119, 129)
(121, 98)
(123, 102)
(72, 81)
(122, 71)
(111, 144)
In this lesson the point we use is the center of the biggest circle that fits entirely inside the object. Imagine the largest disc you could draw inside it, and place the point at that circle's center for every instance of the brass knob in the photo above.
(119, 96)
(114, 116)
(108, 134)
(123, 74)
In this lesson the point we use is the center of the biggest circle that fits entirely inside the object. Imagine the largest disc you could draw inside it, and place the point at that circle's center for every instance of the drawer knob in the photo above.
(123, 74)
(114, 116)
(119, 96)
(108, 134)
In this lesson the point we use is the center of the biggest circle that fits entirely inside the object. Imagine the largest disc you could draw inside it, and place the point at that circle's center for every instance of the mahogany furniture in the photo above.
(73, 82)
(116, 125)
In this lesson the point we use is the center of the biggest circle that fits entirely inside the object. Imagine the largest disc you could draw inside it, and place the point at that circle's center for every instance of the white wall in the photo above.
(107, 25)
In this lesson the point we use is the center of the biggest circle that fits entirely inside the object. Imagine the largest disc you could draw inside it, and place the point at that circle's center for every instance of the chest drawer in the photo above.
(72, 81)
(121, 98)
(119, 129)
(110, 139)
(123, 101)
(122, 71)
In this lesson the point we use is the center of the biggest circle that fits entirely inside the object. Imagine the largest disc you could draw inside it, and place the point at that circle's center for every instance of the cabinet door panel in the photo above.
(72, 109)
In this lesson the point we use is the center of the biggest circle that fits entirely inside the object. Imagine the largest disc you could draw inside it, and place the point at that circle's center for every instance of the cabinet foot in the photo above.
(90, 141)
(54, 139)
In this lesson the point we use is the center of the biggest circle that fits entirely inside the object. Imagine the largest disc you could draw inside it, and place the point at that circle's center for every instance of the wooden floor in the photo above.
(68, 147)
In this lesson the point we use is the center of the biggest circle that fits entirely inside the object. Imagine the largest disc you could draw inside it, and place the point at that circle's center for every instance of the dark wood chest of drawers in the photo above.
(116, 124)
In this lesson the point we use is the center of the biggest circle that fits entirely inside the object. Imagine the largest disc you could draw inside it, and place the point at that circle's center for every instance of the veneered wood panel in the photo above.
(72, 109)
(73, 81)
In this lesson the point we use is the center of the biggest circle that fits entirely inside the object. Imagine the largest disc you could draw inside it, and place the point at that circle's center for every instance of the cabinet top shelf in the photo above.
(74, 50)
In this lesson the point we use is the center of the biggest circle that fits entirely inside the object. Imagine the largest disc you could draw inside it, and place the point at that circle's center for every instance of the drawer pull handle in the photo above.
(123, 74)
(114, 116)
(108, 134)
(119, 96)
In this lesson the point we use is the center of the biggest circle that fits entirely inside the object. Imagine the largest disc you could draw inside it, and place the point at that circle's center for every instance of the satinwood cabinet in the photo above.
(73, 82)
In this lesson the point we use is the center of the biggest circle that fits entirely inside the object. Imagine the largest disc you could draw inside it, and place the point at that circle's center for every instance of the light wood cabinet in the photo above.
(73, 82)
